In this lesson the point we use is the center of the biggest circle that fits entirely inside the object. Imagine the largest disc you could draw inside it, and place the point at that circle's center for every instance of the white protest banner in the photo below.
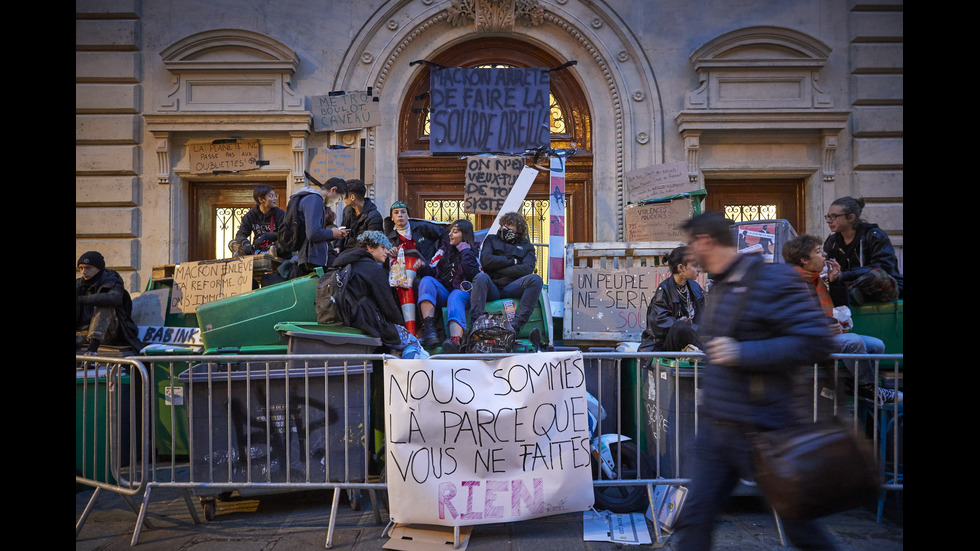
(478, 442)
(196, 283)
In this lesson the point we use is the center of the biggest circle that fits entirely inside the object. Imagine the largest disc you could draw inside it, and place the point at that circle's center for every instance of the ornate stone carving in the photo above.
(495, 15)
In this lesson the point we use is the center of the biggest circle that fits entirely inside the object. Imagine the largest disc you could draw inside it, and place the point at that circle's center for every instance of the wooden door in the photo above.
(216, 211)
(743, 200)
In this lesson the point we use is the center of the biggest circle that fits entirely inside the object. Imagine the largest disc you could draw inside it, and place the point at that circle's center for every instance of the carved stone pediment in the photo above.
(230, 70)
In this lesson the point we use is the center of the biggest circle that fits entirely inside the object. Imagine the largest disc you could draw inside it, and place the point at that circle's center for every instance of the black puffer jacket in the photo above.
(666, 308)
(426, 234)
(375, 311)
(106, 289)
(870, 248)
(780, 331)
(369, 219)
(504, 262)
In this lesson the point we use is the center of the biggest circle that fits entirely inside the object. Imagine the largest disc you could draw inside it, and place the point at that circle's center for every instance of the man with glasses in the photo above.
(257, 231)
(760, 329)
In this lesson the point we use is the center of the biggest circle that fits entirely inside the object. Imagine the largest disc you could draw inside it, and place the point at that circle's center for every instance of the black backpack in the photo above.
(332, 302)
(292, 234)
(491, 334)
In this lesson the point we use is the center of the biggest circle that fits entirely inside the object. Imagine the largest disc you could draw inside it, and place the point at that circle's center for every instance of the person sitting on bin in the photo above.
(822, 278)
(360, 214)
(674, 313)
(103, 308)
(869, 267)
(508, 260)
(446, 282)
(317, 250)
(257, 231)
(376, 312)
(417, 240)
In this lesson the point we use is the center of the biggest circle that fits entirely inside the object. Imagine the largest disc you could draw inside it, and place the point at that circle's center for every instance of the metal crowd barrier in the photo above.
(272, 423)
(112, 425)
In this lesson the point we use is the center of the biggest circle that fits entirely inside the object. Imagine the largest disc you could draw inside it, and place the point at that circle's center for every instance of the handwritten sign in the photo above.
(614, 300)
(345, 111)
(489, 110)
(655, 181)
(223, 156)
(657, 221)
(196, 283)
(476, 442)
(326, 163)
(489, 181)
(157, 334)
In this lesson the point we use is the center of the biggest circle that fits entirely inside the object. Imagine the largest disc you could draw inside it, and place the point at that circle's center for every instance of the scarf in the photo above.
(823, 293)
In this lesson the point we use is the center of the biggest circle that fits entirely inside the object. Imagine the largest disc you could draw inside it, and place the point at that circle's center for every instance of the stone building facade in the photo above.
(800, 100)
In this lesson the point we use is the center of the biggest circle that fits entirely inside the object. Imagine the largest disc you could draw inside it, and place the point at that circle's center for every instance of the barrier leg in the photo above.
(333, 517)
(85, 513)
(779, 528)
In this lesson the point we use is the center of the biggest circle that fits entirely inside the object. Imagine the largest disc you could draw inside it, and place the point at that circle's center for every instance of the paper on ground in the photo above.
(629, 528)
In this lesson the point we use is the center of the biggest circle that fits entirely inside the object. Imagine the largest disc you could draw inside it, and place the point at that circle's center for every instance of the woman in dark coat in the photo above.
(869, 267)
(448, 280)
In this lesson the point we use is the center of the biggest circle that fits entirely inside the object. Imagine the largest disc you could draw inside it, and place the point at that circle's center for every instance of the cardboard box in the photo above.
(658, 221)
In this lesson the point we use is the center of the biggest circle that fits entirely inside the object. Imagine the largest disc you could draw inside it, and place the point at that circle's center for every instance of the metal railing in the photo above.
(271, 423)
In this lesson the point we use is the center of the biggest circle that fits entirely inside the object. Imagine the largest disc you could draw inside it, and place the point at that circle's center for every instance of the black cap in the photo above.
(92, 258)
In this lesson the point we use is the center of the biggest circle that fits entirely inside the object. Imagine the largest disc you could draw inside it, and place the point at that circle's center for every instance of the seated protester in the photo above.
(869, 267)
(822, 279)
(315, 200)
(376, 312)
(103, 308)
(446, 282)
(508, 261)
(360, 214)
(257, 231)
(417, 240)
(674, 314)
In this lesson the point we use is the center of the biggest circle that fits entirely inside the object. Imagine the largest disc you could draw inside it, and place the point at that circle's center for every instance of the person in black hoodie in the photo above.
(258, 229)
(360, 214)
(375, 310)
(448, 280)
(869, 267)
(103, 307)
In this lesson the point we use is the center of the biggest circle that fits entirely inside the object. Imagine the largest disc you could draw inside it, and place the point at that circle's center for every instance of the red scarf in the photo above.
(823, 293)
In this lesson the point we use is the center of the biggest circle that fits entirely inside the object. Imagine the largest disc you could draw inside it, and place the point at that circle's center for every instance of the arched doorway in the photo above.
(432, 186)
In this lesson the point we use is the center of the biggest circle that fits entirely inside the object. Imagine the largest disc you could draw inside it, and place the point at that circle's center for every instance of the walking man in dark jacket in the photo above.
(103, 308)
(761, 330)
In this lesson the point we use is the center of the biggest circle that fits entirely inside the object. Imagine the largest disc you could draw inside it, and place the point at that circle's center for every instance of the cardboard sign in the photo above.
(655, 181)
(489, 110)
(657, 221)
(345, 111)
(477, 442)
(615, 300)
(159, 334)
(223, 156)
(196, 283)
(489, 181)
(326, 163)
